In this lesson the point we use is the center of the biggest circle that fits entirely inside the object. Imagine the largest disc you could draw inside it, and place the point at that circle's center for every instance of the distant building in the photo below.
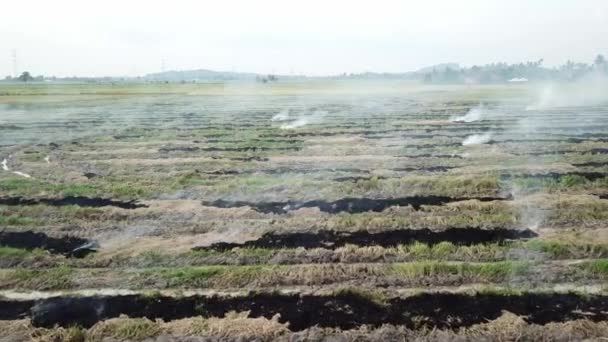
(518, 80)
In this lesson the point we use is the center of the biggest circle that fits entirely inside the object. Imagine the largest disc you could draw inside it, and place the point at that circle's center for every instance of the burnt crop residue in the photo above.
(357, 178)
(349, 205)
(591, 164)
(559, 152)
(10, 310)
(250, 149)
(127, 136)
(283, 170)
(227, 149)
(69, 245)
(431, 145)
(556, 176)
(425, 169)
(429, 155)
(548, 140)
(179, 149)
(401, 169)
(332, 239)
(10, 127)
(81, 201)
(243, 159)
(344, 310)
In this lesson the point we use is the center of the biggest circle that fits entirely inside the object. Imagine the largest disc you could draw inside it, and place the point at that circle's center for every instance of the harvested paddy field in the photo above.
(298, 211)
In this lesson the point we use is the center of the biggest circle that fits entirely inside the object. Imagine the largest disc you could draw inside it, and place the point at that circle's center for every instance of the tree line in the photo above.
(529, 71)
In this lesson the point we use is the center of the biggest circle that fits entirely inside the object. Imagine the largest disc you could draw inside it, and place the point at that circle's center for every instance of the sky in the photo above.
(311, 37)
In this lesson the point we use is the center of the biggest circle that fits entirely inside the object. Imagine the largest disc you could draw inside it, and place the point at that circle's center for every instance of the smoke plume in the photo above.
(589, 91)
(474, 114)
(316, 117)
(281, 116)
(477, 139)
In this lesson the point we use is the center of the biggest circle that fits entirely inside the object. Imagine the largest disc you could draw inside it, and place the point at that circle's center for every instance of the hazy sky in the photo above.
(132, 37)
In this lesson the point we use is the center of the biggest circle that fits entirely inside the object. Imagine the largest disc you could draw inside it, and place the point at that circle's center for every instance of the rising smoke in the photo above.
(474, 114)
(589, 91)
(536, 122)
(18, 173)
(477, 139)
(314, 118)
(281, 116)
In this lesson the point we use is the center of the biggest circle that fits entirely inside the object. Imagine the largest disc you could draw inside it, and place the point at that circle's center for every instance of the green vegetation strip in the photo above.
(439, 273)
(554, 184)
(536, 249)
(10, 252)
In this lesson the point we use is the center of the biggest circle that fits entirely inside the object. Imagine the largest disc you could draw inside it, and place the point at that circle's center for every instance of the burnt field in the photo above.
(302, 211)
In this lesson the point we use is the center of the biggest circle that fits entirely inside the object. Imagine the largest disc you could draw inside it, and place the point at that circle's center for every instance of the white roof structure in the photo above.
(518, 80)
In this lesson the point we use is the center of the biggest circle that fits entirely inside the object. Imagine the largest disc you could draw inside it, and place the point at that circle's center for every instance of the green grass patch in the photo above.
(15, 220)
(77, 190)
(30, 187)
(567, 250)
(536, 184)
(18, 253)
(24, 186)
(137, 329)
(599, 267)
(110, 187)
(125, 329)
(55, 278)
(83, 213)
(189, 276)
(188, 179)
(445, 185)
(127, 190)
(569, 181)
(494, 271)
(499, 270)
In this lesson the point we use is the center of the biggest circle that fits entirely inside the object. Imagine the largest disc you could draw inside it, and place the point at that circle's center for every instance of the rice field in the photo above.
(302, 211)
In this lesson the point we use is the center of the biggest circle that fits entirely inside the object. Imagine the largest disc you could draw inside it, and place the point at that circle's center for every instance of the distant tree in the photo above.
(600, 63)
(262, 79)
(25, 77)
(501, 72)
(600, 60)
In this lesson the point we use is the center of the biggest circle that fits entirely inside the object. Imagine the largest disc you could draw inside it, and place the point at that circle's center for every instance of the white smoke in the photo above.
(47, 159)
(532, 216)
(474, 114)
(546, 99)
(316, 117)
(281, 116)
(19, 173)
(589, 91)
(477, 139)
(295, 124)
